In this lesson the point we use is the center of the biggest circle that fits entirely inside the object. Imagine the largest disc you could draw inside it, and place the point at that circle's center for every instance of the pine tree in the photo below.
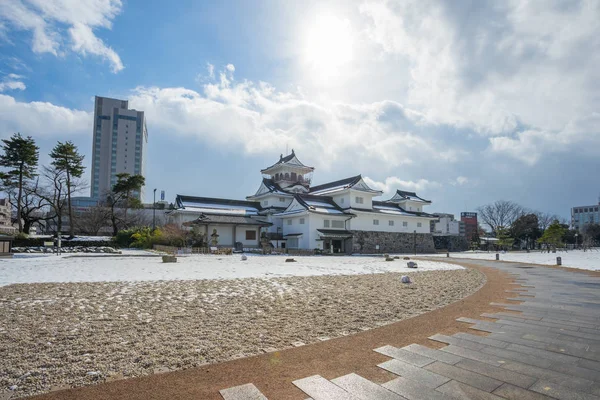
(20, 156)
(121, 195)
(67, 159)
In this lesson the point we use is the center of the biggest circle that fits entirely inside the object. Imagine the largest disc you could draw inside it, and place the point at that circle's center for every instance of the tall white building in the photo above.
(120, 139)
(584, 215)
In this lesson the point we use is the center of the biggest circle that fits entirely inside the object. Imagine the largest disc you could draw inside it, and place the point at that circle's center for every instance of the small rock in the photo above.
(93, 373)
(290, 260)
(13, 387)
(405, 279)
(407, 258)
(244, 258)
(169, 259)
(411, 264)
(389, 259)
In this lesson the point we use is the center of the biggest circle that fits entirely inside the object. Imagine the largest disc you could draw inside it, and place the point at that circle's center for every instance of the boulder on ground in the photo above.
(290, 260)
(244, 258)
(407, 258)
(396, 257)
(169, 259)
(389, 259)
(411, 264)
(405, 279)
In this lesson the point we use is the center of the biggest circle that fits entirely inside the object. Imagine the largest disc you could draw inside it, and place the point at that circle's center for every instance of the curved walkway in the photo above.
(551, 348)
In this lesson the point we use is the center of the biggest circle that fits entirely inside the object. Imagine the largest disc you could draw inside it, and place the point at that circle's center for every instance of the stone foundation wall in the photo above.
(451, 243)
(390, 242)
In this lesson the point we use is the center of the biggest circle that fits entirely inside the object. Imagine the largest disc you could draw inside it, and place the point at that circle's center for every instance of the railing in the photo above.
(192, 250)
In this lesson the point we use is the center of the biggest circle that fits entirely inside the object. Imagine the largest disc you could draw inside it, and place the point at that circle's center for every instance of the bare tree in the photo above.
(34, 207)
(92, 221)
(545, 219)
(501, 213)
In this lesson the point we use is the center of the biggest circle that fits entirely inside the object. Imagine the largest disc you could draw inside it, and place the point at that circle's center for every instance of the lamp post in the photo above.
(154, 212)
(576, 234)
(278, 230)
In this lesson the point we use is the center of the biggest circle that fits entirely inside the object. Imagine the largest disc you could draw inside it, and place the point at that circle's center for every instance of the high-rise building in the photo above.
(120, 139)
(470, 221)
(585, 215)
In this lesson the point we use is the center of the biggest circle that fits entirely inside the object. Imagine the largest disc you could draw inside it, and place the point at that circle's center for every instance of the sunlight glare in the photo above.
(328, 46)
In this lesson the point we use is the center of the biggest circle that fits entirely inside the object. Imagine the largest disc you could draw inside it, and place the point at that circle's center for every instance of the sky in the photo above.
(464, 102)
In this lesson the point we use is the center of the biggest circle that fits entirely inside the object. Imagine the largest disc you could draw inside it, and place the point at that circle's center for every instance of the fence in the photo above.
(192, 250)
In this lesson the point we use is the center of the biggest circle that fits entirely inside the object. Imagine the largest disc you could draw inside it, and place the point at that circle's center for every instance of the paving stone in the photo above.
(501, 374)
(462, 375)
(413, 390)
(433, 353)
(423, 376)
(242, 392)
(513, 355)
(581, 384)
(461, 391)
(320, 388)
(364, 388)
(404, 355)
(589, 364)
(473, 355)
(481, 340)
(560, 392)
(511, 392)
(457, 342)
(543, 353)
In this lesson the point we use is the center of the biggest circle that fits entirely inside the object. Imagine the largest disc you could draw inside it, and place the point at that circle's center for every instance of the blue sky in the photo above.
(465, 102)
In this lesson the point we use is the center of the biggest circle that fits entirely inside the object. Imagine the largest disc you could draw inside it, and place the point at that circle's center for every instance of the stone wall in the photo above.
(451, 243)
(390, 242)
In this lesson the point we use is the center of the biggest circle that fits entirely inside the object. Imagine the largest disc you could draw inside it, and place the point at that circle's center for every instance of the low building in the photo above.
(446, 225)
(584, 215)
(6, 225)
(336, 217)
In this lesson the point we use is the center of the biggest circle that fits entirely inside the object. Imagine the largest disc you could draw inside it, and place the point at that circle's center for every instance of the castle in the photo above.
(336, 217)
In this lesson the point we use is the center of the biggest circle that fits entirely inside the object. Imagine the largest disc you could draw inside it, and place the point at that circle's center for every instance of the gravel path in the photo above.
(56, 335)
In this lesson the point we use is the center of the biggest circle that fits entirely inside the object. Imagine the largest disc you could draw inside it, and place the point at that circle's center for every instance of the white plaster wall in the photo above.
(364, 222)
(240, 235)
(342, 200)
(275, 200)
(296, 227)
(225, 234)
(367, 199)
(447, 226)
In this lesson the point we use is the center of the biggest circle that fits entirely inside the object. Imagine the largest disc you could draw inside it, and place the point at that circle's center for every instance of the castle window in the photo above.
(326, 223)
(294, 176)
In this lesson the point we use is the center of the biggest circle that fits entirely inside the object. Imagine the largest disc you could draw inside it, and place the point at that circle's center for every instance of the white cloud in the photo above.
(529, 146)
(48, 20)
(392, 183)
(41, 119)
(11, 84)
(459, 181)
(230, 67)
(211, 70)
(260, 119)
(494, 66)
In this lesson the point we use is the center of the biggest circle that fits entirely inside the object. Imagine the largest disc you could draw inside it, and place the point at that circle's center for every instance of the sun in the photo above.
(328, 46)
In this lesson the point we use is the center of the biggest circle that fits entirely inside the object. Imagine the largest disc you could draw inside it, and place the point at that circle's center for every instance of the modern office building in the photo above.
(446, 225)
(584, 215)
(471, 225)
(120, 139)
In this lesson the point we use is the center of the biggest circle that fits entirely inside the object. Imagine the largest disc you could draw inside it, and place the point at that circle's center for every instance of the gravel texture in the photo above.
(57, 335)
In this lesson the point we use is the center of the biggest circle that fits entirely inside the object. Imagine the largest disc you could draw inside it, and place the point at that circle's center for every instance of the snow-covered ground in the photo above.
(589, 260)
(28, 268)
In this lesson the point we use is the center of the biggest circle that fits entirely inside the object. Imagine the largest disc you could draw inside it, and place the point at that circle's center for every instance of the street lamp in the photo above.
(154, 212)
(576, 234)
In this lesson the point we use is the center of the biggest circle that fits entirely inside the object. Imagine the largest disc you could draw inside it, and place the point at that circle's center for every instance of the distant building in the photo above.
(471, 225)
(445, 225)
(584, 215)
(6, 225)
(119, 145)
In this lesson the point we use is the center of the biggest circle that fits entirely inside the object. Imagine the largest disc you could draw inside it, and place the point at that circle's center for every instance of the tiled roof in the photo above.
(342, 183)
(217, 206)
(404, 195)
(204, 219)
(287, 159)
